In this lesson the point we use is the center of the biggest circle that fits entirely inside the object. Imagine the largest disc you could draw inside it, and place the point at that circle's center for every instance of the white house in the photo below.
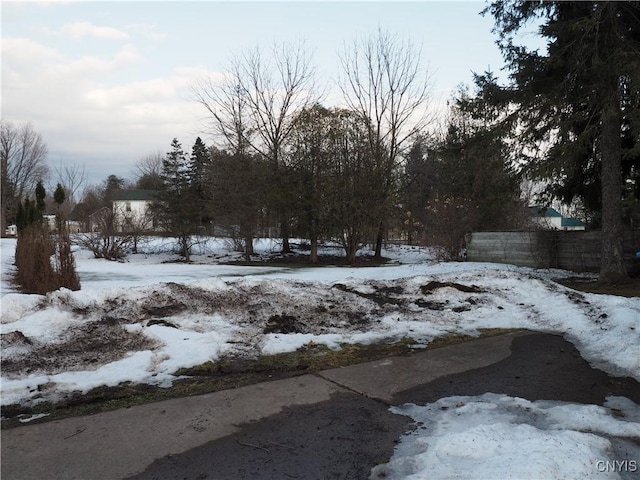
(550, 219)
(131, 209)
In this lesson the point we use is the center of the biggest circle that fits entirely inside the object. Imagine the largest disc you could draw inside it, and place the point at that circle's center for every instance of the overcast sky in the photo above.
(107, 83)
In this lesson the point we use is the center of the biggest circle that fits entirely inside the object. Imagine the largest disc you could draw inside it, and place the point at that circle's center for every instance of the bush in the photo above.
(448, 221)
(37, 272)
(65, 265)
(105, 245)
(106, 242)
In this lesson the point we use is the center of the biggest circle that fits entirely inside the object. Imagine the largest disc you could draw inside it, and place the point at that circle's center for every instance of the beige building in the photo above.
(131, 209)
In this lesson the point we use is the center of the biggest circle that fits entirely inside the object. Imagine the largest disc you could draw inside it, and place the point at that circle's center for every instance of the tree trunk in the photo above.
(246, 233)
(351, 254)
(313, 257)
(351, 248)
(612, 268)
(186, 253)
(3, 217)
(248, 247)
(284, 233)
(379, 240)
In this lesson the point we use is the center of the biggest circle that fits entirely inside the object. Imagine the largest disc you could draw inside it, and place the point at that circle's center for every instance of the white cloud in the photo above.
(24, 50)
(92, 66)
(146, 30)
(153, 90)
(88, 114)
(78, 30)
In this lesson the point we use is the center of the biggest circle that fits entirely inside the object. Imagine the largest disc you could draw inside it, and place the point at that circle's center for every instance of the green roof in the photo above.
(130, 195)
(538, 211)
(572, 222)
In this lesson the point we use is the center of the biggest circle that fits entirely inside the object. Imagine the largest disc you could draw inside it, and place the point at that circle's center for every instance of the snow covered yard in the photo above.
(142, 320)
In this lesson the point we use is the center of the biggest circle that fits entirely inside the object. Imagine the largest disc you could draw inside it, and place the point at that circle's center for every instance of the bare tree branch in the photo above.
(386, 85)
(24, 153)
(150, 164)
(255, 103)
(385, 82)
(72, 178)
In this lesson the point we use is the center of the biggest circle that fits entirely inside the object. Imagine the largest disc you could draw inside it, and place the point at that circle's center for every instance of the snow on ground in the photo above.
(142, 320)
(496, 436)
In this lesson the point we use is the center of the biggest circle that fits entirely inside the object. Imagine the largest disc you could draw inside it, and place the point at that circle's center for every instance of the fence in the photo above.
(578, 251)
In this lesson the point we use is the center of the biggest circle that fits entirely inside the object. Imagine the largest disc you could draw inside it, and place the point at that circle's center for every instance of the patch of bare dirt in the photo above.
(297, 259)
(627, 289)
(93, 344)
(432, 286)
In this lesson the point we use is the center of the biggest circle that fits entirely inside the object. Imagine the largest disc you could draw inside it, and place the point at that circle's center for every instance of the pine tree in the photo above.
(59, 196)
(177, 209)
(109, 185)
(198, 167)
(28, 214)
(418, 186)
(41, 194)
(581, 99)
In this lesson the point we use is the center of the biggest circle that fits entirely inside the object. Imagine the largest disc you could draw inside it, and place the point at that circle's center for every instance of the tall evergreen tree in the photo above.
(175, 170)
(59, 196)
(41, 195)
(177, 209)
(111, 183)
(198, 168)
(581, 100)
(419, 180)
(30, 212)
(476, 187)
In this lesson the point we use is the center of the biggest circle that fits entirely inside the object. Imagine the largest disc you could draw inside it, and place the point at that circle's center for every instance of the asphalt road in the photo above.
(345, 436)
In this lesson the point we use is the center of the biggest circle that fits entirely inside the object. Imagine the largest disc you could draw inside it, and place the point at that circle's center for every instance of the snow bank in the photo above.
(495, 436)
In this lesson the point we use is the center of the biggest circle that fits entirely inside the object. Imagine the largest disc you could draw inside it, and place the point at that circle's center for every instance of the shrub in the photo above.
(65, 265)
(37, 272)
(106, 242)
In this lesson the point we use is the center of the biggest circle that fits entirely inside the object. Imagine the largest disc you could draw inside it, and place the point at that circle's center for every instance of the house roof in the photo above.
(572, 222)
(539, 211)
(129, 195)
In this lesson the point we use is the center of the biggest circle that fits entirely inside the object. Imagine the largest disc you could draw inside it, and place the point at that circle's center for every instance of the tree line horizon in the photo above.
(568, 120)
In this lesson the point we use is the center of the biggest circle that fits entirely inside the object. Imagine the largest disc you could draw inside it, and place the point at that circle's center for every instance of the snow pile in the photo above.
(143, 320)
(495, 436)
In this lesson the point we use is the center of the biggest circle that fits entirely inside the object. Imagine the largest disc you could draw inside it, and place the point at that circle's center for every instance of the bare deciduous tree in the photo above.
(22, 154)
(384, 82)
(226, 103)
(72, 177)
(254, 108)
(147, 171)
